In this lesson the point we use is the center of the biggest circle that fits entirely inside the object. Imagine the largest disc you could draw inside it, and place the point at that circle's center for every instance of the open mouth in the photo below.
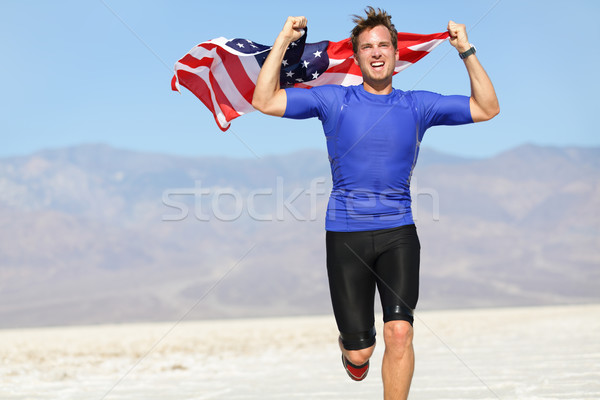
(377, 64)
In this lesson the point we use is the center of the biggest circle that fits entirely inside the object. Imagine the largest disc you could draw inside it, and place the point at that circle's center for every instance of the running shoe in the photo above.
(355, 372)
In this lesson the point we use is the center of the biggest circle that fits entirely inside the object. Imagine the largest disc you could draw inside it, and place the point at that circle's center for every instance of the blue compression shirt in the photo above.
(373, 143)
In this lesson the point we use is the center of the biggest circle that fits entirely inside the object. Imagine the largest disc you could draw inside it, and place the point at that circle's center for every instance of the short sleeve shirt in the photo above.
(373, 144)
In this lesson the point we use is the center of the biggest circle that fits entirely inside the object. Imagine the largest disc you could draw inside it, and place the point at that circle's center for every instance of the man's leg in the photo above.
(358, 357)
(356, 362)
(397, 269)
(352, 288)
(398, 360)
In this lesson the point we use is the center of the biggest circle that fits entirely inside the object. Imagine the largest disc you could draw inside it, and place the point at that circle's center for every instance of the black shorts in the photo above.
(357, 262)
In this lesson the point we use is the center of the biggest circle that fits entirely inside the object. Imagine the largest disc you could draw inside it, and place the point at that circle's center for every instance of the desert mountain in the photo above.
(93, 234)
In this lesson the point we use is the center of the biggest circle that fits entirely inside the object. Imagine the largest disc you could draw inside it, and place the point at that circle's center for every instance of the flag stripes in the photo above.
(222, 72)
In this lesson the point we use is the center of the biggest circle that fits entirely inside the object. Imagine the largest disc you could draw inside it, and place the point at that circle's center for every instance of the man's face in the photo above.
(376, 56)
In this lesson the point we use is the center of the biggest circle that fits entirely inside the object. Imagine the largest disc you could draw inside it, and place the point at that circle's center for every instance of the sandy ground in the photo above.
(518, 353)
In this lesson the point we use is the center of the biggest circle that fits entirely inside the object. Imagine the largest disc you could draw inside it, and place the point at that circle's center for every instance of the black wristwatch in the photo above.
(467, 53)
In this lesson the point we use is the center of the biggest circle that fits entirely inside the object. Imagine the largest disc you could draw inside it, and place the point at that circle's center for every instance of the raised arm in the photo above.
(268, 97)
(484, 103)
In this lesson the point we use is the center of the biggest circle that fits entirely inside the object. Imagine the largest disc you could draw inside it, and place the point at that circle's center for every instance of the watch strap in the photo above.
(467, 53)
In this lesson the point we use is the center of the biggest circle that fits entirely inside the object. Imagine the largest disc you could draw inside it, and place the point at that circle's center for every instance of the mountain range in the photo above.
(93, 234)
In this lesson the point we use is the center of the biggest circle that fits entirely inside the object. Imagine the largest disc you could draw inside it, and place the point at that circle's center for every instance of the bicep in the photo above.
(274, 106)
(449, 110)
(477, 113)
(303, 103)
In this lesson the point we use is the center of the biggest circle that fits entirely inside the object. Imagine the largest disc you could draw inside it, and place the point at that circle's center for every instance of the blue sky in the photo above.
(96, 71)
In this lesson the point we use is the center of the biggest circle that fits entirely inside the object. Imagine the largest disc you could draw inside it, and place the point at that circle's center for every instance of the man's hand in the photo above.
(293, 28)
(268, 96)
(483, 101)
(458, 36)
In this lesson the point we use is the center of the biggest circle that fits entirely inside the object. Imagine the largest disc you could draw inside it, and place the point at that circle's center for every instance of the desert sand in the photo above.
(517, 353)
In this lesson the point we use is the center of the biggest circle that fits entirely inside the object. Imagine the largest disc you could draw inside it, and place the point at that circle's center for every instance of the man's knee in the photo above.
(359, 357)
(397, 334)
(358, 346)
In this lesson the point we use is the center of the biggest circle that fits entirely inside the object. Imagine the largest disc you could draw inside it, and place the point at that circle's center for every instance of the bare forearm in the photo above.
(268, 97)
(267, 84)
(484, 102)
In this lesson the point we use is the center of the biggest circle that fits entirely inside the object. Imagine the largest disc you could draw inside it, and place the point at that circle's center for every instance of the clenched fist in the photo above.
(458, 36)
(293, 28)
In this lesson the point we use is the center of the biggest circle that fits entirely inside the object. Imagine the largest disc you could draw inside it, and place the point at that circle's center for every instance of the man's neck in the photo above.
(374, 88)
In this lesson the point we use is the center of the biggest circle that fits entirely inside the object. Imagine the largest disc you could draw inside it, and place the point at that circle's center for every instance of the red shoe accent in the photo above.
(355, 372)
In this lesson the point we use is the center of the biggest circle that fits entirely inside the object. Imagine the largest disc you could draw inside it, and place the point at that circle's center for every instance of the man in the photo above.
(373, 135)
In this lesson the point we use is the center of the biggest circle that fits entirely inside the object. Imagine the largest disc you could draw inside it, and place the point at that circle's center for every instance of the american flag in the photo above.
(222, 72)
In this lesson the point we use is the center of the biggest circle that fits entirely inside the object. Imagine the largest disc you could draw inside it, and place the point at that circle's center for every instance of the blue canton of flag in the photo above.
(222, 72)
(301, 63)
(312, 63)
(247, 46)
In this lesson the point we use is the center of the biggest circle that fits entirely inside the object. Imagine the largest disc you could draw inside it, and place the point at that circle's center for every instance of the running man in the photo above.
(373, 134)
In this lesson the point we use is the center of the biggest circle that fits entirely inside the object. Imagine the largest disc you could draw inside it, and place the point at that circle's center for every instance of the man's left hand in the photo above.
(458, 36)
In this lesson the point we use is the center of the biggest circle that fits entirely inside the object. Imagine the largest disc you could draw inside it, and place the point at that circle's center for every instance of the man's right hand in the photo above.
(268, 96)
(293, 28)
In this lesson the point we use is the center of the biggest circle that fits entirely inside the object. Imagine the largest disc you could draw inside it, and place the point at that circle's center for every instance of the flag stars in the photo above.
(295, 70)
